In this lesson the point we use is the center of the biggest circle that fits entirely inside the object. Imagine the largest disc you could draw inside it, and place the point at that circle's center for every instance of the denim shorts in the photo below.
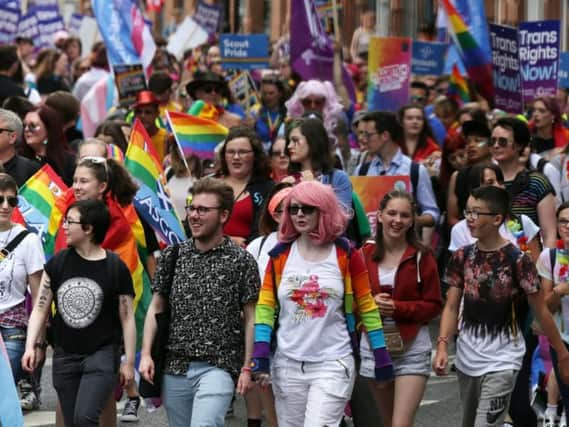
(414, 364)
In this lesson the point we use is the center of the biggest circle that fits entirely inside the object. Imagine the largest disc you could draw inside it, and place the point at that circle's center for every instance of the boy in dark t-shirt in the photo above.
(494, 279)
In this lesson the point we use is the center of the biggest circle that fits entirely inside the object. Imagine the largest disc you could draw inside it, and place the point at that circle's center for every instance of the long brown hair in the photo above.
(411, 236)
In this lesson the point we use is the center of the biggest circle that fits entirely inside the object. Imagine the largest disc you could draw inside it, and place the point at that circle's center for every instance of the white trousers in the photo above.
(312, 394)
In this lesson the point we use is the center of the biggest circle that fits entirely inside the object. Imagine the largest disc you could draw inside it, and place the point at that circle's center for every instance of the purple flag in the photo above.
(506, 69)
(311, 50)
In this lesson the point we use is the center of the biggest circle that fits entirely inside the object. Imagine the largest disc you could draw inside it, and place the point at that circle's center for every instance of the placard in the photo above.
(244, 52)
(428, 58)
(129, 80)
(506, 69)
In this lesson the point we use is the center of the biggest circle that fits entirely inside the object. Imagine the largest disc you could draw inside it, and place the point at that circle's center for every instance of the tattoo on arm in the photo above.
(45, 296)
(124, 306)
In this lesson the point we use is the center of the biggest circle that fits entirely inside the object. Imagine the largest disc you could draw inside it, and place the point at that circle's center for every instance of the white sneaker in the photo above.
(562, 420)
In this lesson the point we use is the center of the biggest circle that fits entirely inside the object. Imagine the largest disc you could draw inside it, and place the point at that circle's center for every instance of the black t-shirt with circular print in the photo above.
(86, 301)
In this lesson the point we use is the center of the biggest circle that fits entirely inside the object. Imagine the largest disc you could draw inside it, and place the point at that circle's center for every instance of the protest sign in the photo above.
(28, 26)
(564, 70)
(188, 35)
(50, 22)
(371, 189)
(208, 16)
(428, 58)
(74, 24)
(129, 80)
(242, 52)
(243, 89)
(506, 69)
(9, 18)
(539, 57)
(389, 73)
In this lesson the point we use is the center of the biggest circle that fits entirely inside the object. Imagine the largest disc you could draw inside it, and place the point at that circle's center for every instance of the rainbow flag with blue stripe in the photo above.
(477, 65)
(458, 87)
(195, 135)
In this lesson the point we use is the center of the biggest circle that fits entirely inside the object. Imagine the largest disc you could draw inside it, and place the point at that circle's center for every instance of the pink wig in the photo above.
(332, 218)
(332, 107)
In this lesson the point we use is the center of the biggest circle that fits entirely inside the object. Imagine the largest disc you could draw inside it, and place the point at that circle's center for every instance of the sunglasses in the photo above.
(12, 201)
(502, 142)
(305, 209)
(313, 102)
(32, 127)
(211, 89)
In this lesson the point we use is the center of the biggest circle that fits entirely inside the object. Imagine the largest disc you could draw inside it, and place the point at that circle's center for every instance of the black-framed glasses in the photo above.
(238, 153)
(313, 102)
(368, 135)
(5, 130)
(563, 222)
(476, 214)
(201, 210)
(12, 200)
(67, 222)
(305, 209)
(501, 141)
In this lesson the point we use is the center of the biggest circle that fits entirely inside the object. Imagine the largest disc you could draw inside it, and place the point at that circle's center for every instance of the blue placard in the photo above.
(244, 52)
(428, 58)
(563, 70)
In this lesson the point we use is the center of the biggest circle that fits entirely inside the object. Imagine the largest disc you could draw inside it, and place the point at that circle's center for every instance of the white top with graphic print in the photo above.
(312, 324)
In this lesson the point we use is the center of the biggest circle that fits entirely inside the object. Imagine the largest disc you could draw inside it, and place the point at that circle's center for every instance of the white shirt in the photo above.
(261, 254)
(460, 234)
(312, 324)
(26, 259)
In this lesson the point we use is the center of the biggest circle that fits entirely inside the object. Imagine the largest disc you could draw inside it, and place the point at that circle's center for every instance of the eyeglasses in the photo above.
(238, 153)
(368, 135)
(32, 127)
(12, 201)
(502, 142)
(210, 89)
(305, 209)
(201, 210)
(313, 102)
(278, 154)
(67, 221)
(476, 214)
(563, 222)
(5, 130)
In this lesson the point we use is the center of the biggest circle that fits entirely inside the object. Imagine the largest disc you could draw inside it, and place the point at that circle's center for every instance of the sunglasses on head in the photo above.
(12, 200)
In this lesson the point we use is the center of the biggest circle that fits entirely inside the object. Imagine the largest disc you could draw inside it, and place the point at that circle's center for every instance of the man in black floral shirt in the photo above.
(209, 344)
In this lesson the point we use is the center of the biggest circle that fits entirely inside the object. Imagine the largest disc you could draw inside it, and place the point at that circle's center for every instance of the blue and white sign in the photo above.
(244, 52)
(563, 70)
(9, 18)
(428, 58)
(28, 26)
(50, 22)
(208, 16)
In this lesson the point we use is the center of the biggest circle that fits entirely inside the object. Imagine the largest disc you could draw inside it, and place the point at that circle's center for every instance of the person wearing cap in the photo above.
(146, 109)
(209, 88)
(477, 135)
(161, 85)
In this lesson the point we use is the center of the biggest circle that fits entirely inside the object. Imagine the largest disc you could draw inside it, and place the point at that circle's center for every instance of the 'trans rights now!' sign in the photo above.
(244, 52)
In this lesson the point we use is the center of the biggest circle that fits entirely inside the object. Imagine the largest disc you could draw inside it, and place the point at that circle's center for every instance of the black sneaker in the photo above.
(130, 411)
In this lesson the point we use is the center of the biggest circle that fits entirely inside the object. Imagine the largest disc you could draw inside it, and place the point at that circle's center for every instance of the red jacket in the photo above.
(416, 304)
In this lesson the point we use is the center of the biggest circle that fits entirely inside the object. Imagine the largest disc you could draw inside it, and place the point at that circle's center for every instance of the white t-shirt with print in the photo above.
(27, 258)
(312, 323)
(561, 317)
(460, 234)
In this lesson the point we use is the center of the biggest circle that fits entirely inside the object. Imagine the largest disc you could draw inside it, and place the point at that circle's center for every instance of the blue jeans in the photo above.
(15, 342)
(563, 388)
(198, 399)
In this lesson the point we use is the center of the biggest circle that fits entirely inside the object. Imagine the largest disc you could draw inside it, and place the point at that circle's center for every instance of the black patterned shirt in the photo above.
(206, 299)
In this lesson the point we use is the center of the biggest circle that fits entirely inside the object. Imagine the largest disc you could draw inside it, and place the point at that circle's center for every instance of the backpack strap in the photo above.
(414, 177)
(4, 252)
(263, 240)
(364, 168)
(541, 164)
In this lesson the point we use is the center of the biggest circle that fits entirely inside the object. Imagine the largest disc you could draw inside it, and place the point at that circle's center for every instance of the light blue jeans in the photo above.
(15, 342)
(198, 399)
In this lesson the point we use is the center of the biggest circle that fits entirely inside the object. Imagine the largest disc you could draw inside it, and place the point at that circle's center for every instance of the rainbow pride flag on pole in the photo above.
(38, 207)
(151, 200)
(477, 66)
(196, 135)
(458, 87)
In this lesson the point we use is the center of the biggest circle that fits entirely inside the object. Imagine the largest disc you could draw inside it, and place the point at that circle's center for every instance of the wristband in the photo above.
(442, 339)
(41, 345)
(245, 369)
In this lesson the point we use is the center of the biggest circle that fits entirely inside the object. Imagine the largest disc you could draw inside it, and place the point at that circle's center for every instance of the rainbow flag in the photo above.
(38, 205)
(115, 153)
(458, 88)
(477, 66)
(196, 135)
(152, 201)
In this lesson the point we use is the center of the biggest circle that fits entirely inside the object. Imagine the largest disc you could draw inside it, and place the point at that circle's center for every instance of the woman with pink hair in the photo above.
(317, 97)
(317, 284)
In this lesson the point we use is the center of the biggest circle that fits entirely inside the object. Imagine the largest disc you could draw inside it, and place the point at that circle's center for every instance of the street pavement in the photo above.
(440, 406)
